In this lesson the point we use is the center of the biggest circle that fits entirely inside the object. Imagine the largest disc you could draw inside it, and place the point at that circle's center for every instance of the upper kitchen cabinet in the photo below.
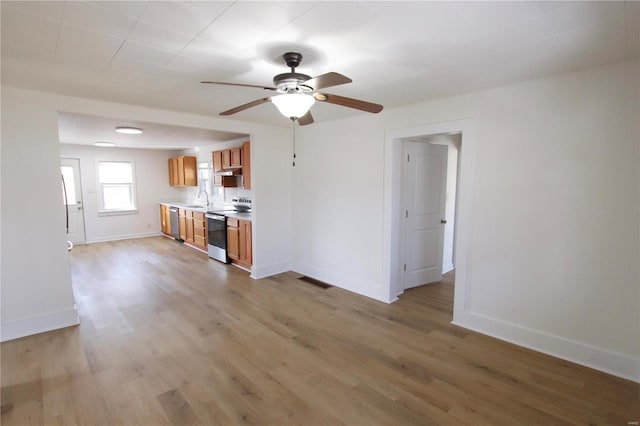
(217, 161)
(246, 165)
(227, 159)
(183, 171)
(219, 180)
(233, 161)
(232, 158)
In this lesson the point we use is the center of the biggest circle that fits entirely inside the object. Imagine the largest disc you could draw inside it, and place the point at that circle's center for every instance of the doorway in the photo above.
(394, 211)
(72, 199)
(430, 191)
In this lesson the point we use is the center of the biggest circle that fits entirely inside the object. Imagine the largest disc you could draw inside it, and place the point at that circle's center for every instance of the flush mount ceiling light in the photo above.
(104, 144)
(293, 105)
(129, 130)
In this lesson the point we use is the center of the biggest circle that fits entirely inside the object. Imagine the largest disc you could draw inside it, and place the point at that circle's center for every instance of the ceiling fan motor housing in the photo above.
(290, 82)
(292, 59)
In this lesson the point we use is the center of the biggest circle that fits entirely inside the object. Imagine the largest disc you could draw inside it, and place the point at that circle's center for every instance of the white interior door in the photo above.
(70, 168)
(425, 212)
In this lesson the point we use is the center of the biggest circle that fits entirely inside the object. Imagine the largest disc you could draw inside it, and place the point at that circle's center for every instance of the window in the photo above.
(117, 188)
(204, 174)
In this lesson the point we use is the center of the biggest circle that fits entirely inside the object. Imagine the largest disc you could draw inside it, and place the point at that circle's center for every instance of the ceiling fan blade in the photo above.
(348, 102)
(246, 106)
(329, 79)
(305, 119)
(239, 85)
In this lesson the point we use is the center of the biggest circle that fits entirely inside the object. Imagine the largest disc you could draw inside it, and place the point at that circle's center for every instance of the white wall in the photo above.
(36, 295)
(152, 186)
(39, 299)
(271, 183)
(553, 245)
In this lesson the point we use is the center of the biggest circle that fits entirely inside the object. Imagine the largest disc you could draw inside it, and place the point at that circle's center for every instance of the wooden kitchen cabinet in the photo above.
(183, 171)
(189, 227)
(225, 181)
(173, 175)
(182, 223)
(239, 242)
(236, 158)
(231, 158)
(200, 230)
(217, 161)
(246, 248)
(226, 159)
(233, 240)
(165, 219)
(193, 228)
(218, 166)
(246, 165)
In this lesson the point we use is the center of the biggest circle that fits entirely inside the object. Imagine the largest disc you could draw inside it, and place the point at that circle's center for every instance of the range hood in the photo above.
(229, 172)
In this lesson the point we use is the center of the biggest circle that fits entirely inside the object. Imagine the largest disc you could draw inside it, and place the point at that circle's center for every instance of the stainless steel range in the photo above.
(217, 236)
(217, 228)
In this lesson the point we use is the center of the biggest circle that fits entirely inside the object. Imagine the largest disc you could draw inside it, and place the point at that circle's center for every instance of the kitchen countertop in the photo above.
(239, 215)
(201, 209)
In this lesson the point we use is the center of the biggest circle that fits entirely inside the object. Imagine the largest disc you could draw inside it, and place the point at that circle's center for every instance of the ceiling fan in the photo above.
(298, 92)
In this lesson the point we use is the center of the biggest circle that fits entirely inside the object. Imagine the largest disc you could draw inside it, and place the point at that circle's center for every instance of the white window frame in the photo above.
(113, 212)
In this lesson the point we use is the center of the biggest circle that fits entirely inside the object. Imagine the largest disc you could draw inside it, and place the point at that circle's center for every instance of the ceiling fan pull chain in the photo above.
(293, 123)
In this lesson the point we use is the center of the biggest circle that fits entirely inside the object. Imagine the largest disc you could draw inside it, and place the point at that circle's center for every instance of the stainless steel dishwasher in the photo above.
(173, 220)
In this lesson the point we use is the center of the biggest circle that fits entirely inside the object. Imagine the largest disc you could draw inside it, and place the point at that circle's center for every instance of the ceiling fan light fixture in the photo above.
(293, 105)
(129, 130)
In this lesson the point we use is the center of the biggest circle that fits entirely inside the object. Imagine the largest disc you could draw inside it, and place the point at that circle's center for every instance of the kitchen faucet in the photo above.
(205, 193)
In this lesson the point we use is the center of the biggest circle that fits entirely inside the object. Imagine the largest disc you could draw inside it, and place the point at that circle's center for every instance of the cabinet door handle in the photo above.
(443, 221)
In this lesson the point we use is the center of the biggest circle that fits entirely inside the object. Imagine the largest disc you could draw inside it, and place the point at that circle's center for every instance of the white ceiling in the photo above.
(155, 53)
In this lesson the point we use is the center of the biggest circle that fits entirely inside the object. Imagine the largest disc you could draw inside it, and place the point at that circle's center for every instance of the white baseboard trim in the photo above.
(610, 362)
(124, 237)
(28, 326)
(347, 283)
(258, 272)
(447, 268)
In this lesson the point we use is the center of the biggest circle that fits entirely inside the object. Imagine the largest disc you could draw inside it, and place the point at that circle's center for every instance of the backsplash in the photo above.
(224, 195)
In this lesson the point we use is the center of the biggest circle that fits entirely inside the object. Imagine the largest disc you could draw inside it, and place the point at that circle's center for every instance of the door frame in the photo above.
(393, 206)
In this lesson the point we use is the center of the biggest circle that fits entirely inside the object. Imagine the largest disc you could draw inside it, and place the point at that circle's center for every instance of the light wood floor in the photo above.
(170, 337)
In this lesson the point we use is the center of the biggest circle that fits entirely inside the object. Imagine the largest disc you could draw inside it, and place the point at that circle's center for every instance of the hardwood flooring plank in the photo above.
(177, 408)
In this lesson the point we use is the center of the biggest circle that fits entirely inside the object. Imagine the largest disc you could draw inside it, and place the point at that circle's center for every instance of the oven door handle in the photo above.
(216, 217)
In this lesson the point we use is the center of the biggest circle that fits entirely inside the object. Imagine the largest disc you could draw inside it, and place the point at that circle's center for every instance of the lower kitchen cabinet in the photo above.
(246, 248)
(193, 228)
(233, 239)
(165, 219)
(189, 227)
(200, 230)
(239, 245)
(182, 223)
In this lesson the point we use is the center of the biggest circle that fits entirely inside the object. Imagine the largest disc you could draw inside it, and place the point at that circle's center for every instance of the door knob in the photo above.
(443, 221)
